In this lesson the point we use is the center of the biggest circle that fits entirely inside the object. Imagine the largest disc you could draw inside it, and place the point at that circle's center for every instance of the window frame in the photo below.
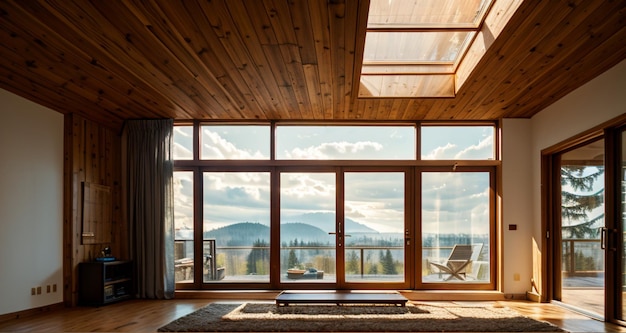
(275, 166)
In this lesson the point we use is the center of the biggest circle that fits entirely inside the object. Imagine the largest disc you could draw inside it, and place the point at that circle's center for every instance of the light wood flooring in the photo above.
(149, 315)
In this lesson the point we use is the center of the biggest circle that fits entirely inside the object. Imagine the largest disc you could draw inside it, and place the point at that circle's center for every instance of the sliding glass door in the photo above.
(618, 232)
(585, 184)
(582, 224)
(343, 228)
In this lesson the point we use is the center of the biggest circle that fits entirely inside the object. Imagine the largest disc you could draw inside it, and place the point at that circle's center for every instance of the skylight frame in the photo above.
(409, 71)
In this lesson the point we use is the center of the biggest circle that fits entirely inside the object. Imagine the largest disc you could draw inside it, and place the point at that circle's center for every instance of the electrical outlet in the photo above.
(38, 290)
(54, 288)
(33, 291)
(516, 277)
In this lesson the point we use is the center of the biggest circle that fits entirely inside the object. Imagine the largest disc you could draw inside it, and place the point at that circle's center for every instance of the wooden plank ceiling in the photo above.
(279, 60)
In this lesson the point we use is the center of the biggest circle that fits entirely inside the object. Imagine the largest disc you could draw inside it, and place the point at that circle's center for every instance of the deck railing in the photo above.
(581, 257)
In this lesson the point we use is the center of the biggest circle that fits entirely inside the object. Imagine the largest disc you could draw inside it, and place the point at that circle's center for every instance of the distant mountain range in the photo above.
(326, 221)
(313, 227)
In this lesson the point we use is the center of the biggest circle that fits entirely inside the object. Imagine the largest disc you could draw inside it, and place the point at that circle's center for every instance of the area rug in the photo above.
(415, 317)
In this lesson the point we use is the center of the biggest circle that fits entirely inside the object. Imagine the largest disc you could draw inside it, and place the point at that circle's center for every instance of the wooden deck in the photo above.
(339, 298)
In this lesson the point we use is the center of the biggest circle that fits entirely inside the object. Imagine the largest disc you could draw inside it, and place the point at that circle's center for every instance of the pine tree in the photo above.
(389, 267)
(256, 257)
(352, 266)
(575, 207)
(292, 260)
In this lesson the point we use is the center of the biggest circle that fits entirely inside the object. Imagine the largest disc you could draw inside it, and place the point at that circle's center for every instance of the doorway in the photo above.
(344, 229)
(581, 223)
(587, 199)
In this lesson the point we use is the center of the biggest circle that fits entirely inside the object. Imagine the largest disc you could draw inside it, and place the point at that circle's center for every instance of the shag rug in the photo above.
(415, 317)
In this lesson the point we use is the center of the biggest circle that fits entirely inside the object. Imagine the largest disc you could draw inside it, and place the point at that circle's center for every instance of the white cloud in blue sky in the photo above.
(335, 150)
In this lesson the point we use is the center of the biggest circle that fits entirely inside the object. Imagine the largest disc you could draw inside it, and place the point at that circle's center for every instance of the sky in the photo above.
(452, 202)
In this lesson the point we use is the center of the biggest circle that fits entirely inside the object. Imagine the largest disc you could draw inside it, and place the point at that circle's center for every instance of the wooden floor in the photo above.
(149, 315)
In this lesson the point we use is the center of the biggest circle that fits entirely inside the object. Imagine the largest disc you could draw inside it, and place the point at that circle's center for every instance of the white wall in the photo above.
(31, 203)
(516, 205)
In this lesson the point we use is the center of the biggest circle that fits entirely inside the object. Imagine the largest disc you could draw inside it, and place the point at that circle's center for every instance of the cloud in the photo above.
(307, 192)
(183, 143)
(336, 150)
(441, 153)
(455, 202)
(481, 150)
(214, 146)
(450, 151)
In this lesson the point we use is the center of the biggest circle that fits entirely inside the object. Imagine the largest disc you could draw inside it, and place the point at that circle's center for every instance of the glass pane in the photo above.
(183, 226)
(455, 227)
(236, 226)
(183, 142)
(426, 13)
(582, 214)
(236, 142)
(345, 142)
(458, 142)
(307, 216)
(439, 46)
(374, 227)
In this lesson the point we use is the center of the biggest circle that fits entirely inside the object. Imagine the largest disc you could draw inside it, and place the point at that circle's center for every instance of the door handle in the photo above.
(605, 238)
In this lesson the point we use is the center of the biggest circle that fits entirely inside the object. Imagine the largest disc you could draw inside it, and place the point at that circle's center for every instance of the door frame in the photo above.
(550, 284)
(340, 281)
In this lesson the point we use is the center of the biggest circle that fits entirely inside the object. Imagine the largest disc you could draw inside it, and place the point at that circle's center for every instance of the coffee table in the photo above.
(340, 297)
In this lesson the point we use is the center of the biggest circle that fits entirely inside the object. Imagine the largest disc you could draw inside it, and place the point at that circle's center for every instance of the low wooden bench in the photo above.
(294, 297)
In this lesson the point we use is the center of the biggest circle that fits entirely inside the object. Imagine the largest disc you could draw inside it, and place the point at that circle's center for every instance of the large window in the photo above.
(347, 206)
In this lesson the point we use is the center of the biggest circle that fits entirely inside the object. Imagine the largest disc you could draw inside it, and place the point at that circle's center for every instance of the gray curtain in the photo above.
(148, 175)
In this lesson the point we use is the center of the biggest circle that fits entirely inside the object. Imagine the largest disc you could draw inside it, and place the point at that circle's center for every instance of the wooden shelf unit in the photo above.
(105, 282)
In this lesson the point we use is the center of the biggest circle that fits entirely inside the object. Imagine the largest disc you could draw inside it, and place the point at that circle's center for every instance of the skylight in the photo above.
(413, 48)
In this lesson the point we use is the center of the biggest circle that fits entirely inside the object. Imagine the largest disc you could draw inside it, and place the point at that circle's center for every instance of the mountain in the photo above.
(326, 222)
(239, 234)
(303, 232)
(312, 227)
(246, 233)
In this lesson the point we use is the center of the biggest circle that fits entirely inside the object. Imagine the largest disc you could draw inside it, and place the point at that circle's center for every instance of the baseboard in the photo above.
(31, 312)
(228, 294)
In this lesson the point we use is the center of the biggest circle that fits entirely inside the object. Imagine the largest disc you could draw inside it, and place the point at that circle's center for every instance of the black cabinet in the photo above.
(105, 282)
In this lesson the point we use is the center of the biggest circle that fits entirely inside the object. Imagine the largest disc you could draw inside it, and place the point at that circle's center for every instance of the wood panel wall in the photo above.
(92, 154)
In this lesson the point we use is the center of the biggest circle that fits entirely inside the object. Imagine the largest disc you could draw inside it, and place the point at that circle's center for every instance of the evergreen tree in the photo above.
(352, 266)
(292, 260)
(257, 257)
(389, 267)
(576, 205)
